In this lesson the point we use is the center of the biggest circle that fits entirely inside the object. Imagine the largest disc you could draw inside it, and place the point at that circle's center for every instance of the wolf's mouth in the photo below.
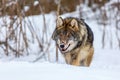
(65, 48)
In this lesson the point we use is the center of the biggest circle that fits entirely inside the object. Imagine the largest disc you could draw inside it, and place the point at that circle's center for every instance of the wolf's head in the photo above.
(67, 34)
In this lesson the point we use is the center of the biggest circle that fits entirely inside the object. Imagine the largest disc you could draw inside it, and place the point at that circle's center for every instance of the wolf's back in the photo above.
(90, 37)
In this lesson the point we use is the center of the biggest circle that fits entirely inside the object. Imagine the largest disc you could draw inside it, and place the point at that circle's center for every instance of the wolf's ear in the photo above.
(74, 23)
(59, 21)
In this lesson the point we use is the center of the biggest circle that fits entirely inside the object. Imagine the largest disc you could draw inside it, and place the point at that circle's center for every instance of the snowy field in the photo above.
(105, 64)
(55, 71)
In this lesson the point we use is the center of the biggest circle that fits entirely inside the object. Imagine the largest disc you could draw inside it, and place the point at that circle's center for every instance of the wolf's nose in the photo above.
(62, 46)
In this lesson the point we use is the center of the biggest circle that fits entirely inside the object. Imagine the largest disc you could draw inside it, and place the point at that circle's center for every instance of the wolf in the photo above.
(74, 38)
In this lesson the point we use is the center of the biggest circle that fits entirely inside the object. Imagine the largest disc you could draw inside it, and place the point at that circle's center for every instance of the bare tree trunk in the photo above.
(103, 38)
(58, 13)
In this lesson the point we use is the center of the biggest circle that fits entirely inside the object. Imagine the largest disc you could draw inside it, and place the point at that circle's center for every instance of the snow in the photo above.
(105, 66)
(26, 8)
(36, 3)
(54, 71)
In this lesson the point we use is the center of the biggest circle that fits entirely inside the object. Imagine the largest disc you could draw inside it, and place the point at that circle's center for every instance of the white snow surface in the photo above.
(54, 71)
(105, 66)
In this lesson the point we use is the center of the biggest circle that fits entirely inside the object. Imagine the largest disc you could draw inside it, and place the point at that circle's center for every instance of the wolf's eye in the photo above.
(69, 24)
(73, 26)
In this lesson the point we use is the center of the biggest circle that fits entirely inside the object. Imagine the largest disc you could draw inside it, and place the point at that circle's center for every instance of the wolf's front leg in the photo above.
(75, 62)
(67, 58)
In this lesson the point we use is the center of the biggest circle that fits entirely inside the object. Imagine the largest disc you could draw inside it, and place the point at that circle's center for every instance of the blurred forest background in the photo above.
(14, 13)
(15, 7)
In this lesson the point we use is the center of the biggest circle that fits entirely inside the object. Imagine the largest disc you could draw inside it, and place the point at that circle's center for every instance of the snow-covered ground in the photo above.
(54, 71)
